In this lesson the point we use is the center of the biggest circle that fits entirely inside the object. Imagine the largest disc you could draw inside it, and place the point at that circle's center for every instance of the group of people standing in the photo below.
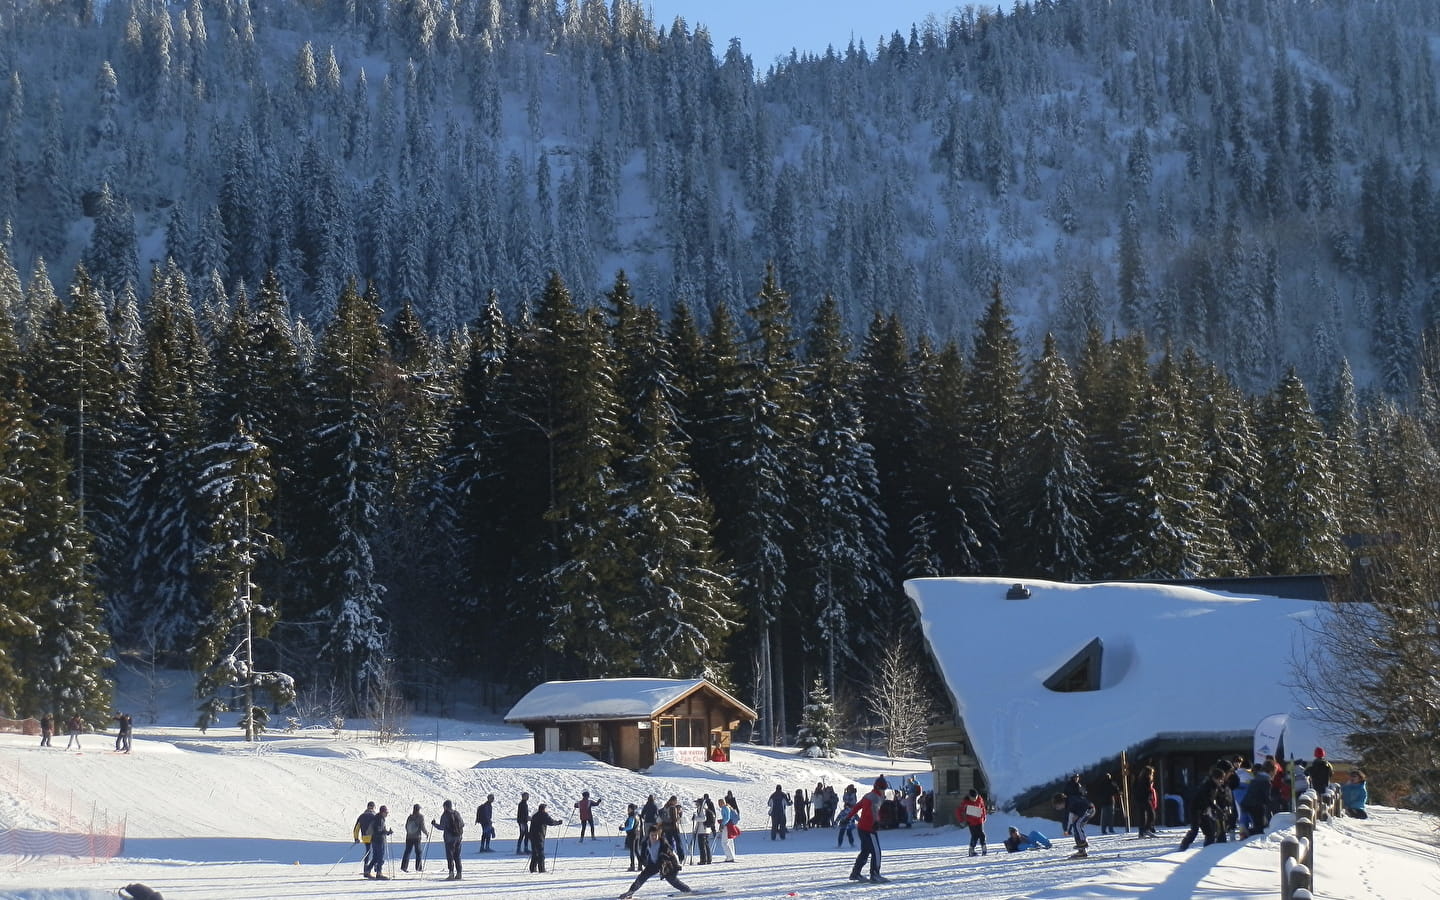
(76, 726)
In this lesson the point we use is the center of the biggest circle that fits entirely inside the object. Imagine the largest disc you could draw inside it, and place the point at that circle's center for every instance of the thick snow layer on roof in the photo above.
(600, 698)
(1175, 660)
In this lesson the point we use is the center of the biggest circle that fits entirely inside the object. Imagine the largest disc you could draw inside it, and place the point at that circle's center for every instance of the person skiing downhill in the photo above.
(866, 815)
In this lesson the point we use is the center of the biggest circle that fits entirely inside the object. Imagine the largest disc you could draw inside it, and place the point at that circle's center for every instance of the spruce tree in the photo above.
(992, 416)
(817, 736)
(1054, 489)
(350, 474)
(1299, 497)
(843, 528)
(236, 482)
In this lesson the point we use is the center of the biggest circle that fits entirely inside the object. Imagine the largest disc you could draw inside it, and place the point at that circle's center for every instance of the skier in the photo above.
(1078, 810)
(1147, 800)
(414, 830)
(671, 817)
(47, 728)
(361, 833)
(1016, 842)
(539, 823)
(657, 858)
(522, 818)
(729, 828)
(452, 829)
(378, 832)
(649, 813)
(700, 823)
(1256, 801)
(484, 817)
(972, 813)
(802, 810)
(1107, 794)
(587, 817)
(778, 803)
(866, 814)
(73, 728)
(631, 829)
(845, 826)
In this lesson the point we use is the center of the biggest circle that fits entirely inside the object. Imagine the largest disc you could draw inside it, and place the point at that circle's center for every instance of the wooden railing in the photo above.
(1297, 852)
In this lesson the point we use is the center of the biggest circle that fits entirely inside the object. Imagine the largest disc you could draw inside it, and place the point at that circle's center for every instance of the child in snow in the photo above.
(1015, 841)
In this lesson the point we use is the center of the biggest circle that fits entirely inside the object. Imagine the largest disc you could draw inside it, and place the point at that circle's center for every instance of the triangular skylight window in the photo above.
(1081, 672)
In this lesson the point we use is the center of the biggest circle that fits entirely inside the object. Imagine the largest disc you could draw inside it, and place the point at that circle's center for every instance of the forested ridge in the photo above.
(1033, 293)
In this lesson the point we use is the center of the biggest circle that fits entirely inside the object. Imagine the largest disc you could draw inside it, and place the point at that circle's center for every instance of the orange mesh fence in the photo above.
(82, 834)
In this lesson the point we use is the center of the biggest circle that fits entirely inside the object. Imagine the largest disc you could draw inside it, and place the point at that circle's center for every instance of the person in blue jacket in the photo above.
(1016, 842)
(1354, 795)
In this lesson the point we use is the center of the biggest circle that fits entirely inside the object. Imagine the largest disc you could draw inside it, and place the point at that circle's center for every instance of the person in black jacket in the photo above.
(1320, 772)
(657, 858)
(1204, 810)
(1107, 793)
(539, 823)
(484, 817)
(1257, 800)
(452, 827)
(379, 831)
(522, 818)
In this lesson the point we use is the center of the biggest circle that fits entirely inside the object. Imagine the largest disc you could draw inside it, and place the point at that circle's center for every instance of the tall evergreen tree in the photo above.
(350, 475)
(843, 527)
(992, 414)
(1054, 488)
(236, 482)
(1299, 499)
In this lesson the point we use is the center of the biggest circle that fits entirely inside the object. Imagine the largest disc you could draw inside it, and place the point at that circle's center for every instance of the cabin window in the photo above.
(952, 781)
(680, 731)
(589, 735)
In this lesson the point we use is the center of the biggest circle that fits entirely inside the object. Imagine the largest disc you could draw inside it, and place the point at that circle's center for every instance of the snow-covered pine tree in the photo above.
(842, 528)
(817, 735)
(1054, 492)
(349, 473)
(992, 401)
(1299, 497)
(236, 482)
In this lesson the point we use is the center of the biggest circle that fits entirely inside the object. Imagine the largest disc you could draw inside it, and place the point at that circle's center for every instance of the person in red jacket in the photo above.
(972, 813)
(866, 815)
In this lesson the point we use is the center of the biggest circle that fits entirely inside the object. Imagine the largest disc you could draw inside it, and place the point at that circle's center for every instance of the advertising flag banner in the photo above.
(1268, 734)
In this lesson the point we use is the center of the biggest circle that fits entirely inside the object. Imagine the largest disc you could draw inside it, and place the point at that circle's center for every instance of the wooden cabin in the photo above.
(633, 722)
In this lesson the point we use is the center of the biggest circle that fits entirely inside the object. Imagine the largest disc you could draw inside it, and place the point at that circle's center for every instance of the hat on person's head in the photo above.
(370, 805)
(880, 783)
(1319, 752)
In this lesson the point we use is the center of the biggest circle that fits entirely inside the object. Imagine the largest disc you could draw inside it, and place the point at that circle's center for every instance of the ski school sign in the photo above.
(1269, 736)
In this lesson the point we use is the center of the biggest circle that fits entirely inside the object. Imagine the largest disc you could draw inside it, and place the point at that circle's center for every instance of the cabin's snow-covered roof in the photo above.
(1175, 660)
(602, 698)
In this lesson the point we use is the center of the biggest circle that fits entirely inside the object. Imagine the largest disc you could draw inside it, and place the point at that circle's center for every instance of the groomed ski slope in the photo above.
(209, 818)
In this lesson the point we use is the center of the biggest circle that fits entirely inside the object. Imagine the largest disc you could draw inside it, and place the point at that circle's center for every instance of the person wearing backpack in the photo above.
(452, 828)
(485, 818)
(414, 830)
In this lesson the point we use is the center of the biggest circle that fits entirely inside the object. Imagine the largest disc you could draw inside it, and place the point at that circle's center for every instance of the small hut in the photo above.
(633, 722)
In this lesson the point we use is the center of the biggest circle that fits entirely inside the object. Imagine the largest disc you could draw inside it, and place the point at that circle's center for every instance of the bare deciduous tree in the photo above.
(899, 700)
(1371, 668)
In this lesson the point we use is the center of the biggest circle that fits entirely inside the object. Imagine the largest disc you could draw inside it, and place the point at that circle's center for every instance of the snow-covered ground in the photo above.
(208, 818)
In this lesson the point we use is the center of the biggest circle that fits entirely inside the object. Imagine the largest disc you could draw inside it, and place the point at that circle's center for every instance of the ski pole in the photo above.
(559, 842)
(340, 860)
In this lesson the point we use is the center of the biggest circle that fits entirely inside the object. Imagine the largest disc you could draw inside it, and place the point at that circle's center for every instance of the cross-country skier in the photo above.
(414, 830)
(866, 815)
(1078, 810)
(522, 818)
(361, 833)
(452, 828)
(586, 807)
(485, 818)
(379, 831)
(539, 823)
(657, 858)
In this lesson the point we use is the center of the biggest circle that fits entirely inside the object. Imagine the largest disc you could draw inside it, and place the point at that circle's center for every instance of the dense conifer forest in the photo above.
(315, 325)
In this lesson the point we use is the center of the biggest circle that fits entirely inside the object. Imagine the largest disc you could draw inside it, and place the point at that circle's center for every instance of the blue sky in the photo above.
(769, 28)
